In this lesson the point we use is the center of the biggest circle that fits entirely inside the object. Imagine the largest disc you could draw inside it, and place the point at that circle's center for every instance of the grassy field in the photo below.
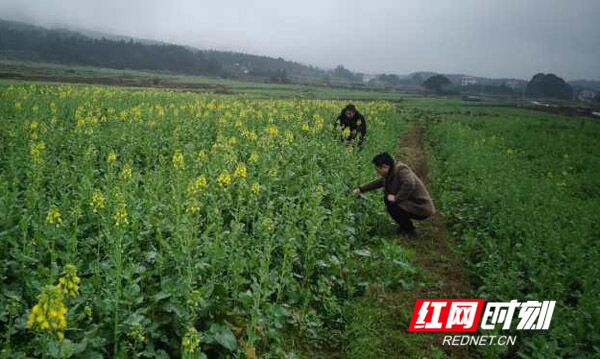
(144, 222)
(95, 75)
(520, 191)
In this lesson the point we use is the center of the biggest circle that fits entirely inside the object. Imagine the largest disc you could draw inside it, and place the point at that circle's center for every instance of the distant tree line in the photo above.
(502, 90)
(394, 81)
(342, 73)
(540, 86)
(21, 41)
(38, 44)
(389, 80)
(55, 47)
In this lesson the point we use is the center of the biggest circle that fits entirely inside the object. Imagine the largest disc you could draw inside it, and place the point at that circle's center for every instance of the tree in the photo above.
(549, 86)
(341, 72)
(391, 79)
(416, 79)
(437, 83)
(280, 76)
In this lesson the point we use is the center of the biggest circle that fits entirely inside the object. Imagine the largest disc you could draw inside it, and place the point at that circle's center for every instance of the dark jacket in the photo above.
(356, 124)
(411, 194)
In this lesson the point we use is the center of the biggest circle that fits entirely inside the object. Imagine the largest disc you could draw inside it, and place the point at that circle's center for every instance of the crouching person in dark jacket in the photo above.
(351, 124)
(405, 196)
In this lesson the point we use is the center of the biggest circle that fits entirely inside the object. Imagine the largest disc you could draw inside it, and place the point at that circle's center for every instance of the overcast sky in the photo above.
(494, 38)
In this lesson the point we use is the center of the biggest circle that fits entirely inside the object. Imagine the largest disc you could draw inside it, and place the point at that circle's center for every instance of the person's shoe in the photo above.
(411, 233)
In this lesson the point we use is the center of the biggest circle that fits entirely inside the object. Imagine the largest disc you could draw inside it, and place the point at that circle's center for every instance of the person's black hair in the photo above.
(383, 159)
(349, 107)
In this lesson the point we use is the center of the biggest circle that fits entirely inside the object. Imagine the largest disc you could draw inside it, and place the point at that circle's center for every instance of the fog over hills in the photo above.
(491, 39)
(230, 64)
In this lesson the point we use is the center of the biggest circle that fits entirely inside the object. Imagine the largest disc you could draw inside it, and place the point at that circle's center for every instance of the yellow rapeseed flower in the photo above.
(346, 132)
(289, 136)
(136, 333)
(126, 173)
(197, 185)
(191, 340)
(87, 310)
(252, 136)
(272, 131)
(224, 178)
(111, 158)
(201, 155)
(69, 282)
(178, 159)
(36, 149)
(192, 206)
(50, 312)
(53, 216)
(200, 182)
(97, 201)
(241, 171)
(255, 188)
(121, 216)
(318, 123)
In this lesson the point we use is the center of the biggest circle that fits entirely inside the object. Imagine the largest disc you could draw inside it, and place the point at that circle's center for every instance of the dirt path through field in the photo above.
(434, 252)
(444, 273)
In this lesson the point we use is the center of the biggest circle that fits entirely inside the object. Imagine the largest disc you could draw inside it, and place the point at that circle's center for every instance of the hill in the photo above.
(20, 41)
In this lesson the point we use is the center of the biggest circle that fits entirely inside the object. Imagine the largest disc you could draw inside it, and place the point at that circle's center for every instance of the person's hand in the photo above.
(391, 198)
(356, 191)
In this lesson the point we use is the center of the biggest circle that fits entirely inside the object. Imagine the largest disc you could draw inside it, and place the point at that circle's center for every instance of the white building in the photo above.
(513, 84)
(468, 80)
(368, 77)
(586, 95)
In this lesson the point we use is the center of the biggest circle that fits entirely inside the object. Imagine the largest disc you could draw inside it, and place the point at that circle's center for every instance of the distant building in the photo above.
(468, 80)
(513, 84)
(241, 68)
(586, 95)
(368, 77)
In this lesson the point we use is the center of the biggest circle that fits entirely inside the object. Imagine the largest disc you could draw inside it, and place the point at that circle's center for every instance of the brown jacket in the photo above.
(411, 194)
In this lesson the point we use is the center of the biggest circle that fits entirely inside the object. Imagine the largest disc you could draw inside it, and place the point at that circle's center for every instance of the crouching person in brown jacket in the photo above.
(405, 196)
